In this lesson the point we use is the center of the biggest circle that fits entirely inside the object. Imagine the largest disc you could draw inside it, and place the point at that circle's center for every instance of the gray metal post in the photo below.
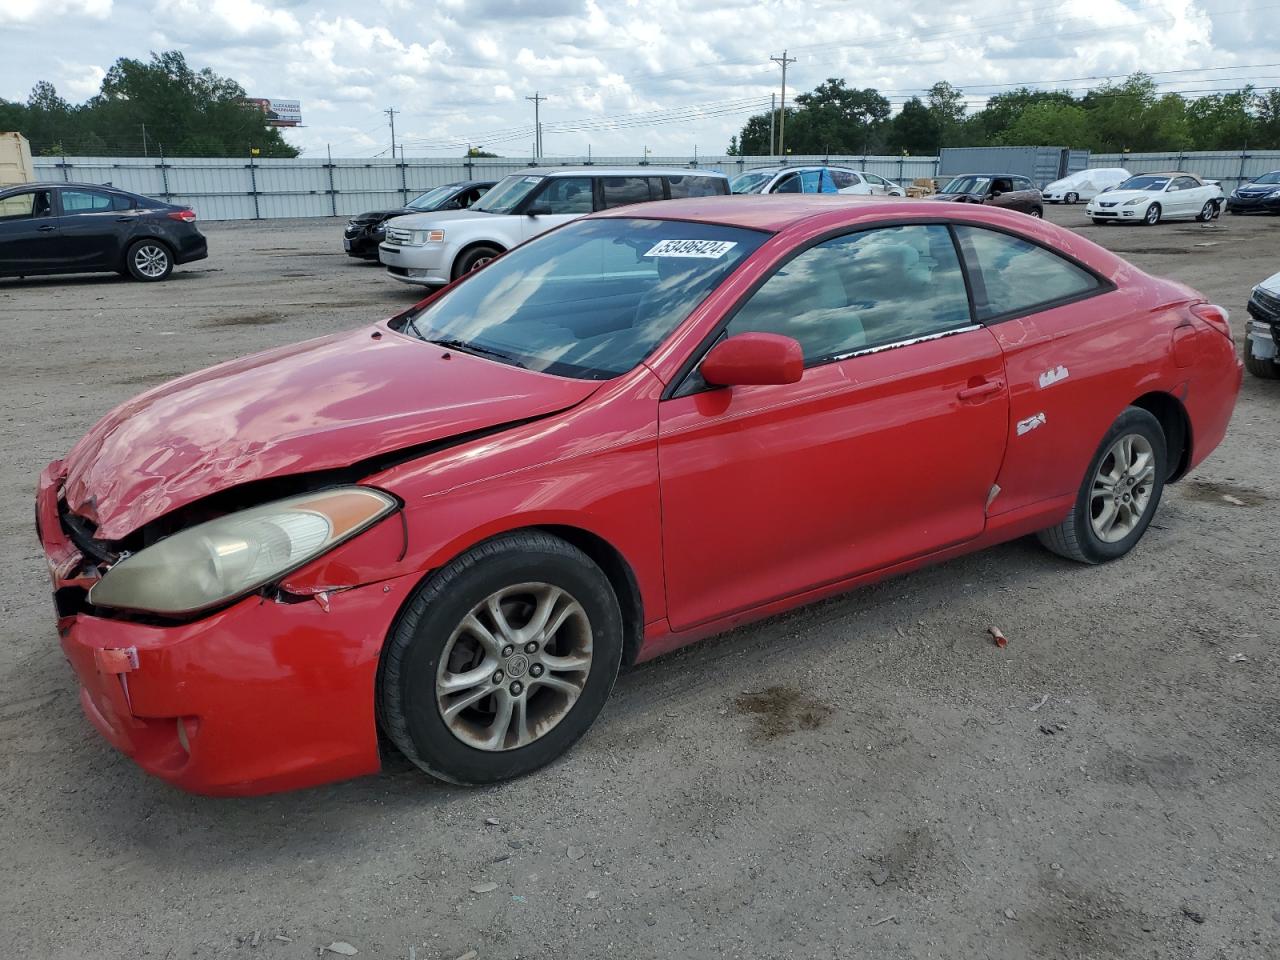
(164, 172)
(404, 182)
(333, 193)
(253, 183)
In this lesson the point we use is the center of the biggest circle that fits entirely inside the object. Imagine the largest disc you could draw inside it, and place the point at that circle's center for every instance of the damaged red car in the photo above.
(455, 526)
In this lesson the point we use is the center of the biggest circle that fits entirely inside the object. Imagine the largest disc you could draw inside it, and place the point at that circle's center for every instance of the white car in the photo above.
(1262, 330)
(1085, 184)
(819, 178)
(1151, 197)
(433, 249)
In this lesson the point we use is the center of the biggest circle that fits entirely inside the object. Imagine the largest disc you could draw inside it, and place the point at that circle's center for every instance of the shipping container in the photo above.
(15, 160)
(1041, 165)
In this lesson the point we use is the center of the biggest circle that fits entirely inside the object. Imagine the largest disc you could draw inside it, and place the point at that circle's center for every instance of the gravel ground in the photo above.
(863, 778)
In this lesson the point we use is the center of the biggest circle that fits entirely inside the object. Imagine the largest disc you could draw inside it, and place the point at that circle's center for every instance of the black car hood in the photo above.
(375, 216)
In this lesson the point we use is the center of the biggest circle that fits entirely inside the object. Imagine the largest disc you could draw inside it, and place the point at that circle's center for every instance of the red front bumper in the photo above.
(270, 696)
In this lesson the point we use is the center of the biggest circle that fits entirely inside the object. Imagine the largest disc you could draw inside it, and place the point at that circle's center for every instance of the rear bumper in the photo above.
(191, 248)
(259, 697)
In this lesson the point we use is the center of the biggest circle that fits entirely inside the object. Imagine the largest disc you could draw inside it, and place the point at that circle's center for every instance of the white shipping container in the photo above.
(15, 159)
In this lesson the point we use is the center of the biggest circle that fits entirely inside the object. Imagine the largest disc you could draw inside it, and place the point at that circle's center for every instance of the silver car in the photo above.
(433, 249)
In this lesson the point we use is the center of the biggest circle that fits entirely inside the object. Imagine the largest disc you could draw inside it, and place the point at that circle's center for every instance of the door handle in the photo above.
(981, 390)
(45, 229)
(124, 219)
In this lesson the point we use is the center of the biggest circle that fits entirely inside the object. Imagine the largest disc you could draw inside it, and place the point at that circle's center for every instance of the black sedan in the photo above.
(1257, 196)
(87, 228)
(366, 231)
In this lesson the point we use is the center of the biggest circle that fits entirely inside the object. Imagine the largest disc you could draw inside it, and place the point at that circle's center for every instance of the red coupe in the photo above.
(642, 428)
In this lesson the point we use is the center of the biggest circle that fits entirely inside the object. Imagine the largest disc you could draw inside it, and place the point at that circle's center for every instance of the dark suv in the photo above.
(366, 230)
(87, 228)
(994, 189)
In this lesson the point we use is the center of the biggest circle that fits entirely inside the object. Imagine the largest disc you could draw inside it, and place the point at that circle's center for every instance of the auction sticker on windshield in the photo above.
(702, 249)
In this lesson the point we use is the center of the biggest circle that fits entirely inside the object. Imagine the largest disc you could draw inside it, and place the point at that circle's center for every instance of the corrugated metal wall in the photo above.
(1231, 167)
(1041, 164)
(232, 189)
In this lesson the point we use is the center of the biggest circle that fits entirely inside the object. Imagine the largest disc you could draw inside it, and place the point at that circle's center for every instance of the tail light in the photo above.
(186, 216)
(1214, 315)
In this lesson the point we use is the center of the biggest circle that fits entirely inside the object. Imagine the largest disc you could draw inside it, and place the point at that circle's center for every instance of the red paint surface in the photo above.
(727, 505)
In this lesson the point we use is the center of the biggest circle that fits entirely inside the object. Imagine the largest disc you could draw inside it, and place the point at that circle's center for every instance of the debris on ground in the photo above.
(1043, 701)
(1009, 914)
(283, 939)
(1239, 658)
(1047, 730)
(593, 894)
(492, 821)
(1195, 916)
(342, 948)
(876, 923)
(487, 887)
(469, 955)
(575, 853)
(997, 637)
(879, 876)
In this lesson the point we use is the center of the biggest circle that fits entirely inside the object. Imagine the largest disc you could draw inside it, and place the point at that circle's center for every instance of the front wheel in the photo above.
(1263, 368)
(1119, 495)
(502, 659)
(1099, 221)
(1072, 198)
(474, 259)
(148, 260)
(1152, 216)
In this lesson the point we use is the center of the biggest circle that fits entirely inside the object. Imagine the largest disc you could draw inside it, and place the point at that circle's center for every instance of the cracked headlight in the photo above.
(226, 558)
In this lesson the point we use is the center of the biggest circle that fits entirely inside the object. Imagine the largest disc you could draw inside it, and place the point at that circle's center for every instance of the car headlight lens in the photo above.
(1274, 195)
(222, 559)
(427, 236)
(1130, 203)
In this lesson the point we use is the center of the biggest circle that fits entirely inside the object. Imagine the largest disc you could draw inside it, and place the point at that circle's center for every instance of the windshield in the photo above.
(1144, 183)
(590, 300)
(967, 185)
(752, 182)
(506, 194)
(1272, 177)
(433, 198)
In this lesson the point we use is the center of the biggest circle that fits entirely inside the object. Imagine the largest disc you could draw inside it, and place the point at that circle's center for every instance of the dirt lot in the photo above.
(863, 778)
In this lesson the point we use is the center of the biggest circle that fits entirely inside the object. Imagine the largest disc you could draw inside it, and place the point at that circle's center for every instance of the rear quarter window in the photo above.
(696, 186)
(1012, 277)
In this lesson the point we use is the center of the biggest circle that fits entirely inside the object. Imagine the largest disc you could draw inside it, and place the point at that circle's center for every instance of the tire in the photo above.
(1037, 212)
(1207, 212)
(431, 646)
(149, 260)
(1099, 221)
(1077, 537)
(1263, 369)
(1072, 198)
(1152, 216)
(473, 259)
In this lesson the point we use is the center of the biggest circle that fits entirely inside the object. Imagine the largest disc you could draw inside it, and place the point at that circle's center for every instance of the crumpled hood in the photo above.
(1271, 285)
(316, 405)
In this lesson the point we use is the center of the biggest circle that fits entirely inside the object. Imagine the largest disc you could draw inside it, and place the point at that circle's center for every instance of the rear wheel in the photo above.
(1152, 216)
(148, 260)
(1263, 368)
(1036, 212)
(1119, 495)
(1207, 212)
(474, 259)
(502, 659)
(1072, 198)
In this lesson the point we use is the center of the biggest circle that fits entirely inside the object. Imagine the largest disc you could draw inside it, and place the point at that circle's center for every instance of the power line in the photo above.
(537, 99)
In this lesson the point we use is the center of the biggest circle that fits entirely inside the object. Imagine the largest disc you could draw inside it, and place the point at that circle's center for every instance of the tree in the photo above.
(914, 130)
(835, 118)
(476, 153)
(1003, 110)
(1223, 121)
(947, 106)
(1048, 124)
(1267, 111)
(1130, 115)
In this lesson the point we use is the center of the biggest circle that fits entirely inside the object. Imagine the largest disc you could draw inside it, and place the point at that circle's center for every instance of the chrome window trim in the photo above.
(910, 341)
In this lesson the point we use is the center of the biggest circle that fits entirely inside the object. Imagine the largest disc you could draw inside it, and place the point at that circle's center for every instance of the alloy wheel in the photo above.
(151, 260)
(1121, 491)
(1153, 214)
(514, 666)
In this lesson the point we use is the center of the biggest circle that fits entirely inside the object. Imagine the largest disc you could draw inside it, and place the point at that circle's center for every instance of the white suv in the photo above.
(433, 249)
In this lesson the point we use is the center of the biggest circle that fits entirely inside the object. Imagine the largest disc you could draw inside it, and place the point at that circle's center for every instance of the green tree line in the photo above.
(1132, 115)
(163, 106)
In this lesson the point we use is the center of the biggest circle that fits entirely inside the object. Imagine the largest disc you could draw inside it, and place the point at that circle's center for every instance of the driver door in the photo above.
(558, 200)
(875, 456)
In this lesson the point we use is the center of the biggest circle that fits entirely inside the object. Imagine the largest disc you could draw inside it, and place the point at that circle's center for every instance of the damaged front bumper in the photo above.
(263, 695)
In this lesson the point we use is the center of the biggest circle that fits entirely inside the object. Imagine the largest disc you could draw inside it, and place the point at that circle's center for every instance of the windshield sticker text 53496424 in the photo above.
(702, 249)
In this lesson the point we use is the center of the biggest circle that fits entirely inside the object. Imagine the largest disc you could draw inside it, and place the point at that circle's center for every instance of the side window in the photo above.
(811, 181)
(85, 201)
(843, 178)
(1021, 183)
(788, 184)
(25, 206)
(1001, 185)
(1011, 276)
(565, 195)
(872, 178)
(1186, 183)
(621, 191)
(121, 202)
(862, 290)
(696, 186)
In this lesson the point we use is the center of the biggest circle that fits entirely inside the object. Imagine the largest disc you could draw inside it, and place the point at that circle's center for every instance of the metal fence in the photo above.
(1230, 167)
(233, 189)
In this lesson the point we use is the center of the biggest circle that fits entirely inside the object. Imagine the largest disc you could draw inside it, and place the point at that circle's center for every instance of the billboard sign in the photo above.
(280, 113)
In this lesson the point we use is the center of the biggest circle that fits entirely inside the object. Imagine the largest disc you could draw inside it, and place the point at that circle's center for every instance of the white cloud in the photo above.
(20, 12)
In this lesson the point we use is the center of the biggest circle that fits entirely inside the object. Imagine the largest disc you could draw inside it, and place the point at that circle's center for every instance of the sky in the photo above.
(667, 76)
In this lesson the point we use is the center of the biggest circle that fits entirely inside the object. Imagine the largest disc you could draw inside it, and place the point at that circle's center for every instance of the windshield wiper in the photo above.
(475, 349)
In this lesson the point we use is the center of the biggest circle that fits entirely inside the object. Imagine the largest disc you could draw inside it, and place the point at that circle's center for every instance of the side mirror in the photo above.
(752, 359)
(538, 210)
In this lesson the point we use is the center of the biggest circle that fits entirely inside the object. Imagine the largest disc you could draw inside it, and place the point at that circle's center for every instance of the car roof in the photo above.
(615, 172)
(773, 212)
(51, 184)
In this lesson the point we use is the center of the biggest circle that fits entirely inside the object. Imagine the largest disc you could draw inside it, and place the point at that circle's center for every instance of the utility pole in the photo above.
(773, 116)
(782, 117)
(537, 99)
(391, 115)
(144, 140)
